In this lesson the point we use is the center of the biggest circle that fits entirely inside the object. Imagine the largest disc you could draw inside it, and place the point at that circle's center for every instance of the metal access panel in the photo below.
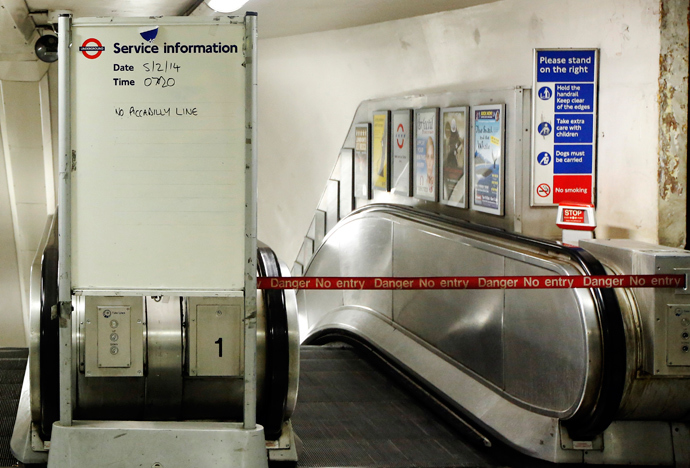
(664, 313)
(678, 335)
(215, 337)
(113, 336)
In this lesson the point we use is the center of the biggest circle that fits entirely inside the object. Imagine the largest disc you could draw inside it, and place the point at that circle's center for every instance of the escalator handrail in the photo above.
(277, 348)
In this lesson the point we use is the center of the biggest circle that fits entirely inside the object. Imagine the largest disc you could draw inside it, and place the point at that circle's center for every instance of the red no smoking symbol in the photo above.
(543, 190)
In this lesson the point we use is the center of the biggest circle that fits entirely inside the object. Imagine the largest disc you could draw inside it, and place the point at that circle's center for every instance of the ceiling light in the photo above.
(226, 6)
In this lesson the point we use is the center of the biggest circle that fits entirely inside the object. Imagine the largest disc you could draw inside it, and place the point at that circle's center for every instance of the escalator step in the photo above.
(350, 414)
(12, 368)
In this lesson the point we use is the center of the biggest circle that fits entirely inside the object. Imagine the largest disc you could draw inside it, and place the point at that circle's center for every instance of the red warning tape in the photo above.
(476, 282)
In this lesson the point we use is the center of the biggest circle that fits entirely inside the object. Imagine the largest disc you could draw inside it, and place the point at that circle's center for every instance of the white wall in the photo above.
(25, 129)
(310, 86)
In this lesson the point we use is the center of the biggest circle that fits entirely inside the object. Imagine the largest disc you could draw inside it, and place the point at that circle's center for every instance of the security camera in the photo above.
(47, 48)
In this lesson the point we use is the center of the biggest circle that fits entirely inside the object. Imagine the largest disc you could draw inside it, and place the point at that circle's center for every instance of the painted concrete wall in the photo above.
(24, 119)
(310, 86)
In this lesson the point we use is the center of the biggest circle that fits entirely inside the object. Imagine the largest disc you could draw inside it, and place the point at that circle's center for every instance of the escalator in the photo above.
(561, 375)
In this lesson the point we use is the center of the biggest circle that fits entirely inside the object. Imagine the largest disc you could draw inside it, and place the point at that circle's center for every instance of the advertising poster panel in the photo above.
(488, 159)
(380, 151)
(401, 151)
(362, 161)
(425, 154)
(454, 122)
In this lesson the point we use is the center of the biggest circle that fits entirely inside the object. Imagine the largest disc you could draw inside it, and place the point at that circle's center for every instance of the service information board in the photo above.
(158, 130)
(564, 126)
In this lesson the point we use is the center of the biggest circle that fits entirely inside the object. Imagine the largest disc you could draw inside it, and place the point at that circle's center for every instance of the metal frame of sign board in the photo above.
(67, 377)
(457, 198)
(404, 116)
(420, 196)
(595, 124)
(501, 160)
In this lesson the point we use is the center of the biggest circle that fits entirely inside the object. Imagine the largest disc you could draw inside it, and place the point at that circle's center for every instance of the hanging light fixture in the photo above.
(225, 6)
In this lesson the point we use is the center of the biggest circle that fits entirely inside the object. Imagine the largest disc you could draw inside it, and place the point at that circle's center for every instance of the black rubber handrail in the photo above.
(589, 422)
(49, 338)
(272, 411)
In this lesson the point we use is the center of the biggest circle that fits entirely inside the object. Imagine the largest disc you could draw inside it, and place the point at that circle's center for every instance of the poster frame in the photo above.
(464, 134)
(357, 178)
(386, 151)
(501, 160)
(421, 196)
(406, 155)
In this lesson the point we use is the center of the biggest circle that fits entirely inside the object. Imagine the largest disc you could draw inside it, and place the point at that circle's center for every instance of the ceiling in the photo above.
(277, 18)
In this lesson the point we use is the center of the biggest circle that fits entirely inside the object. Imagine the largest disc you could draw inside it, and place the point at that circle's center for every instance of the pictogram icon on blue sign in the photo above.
(545, 93)
(544, 128)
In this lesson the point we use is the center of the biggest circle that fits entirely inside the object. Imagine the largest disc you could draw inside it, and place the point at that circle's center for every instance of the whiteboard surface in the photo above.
(158, 194)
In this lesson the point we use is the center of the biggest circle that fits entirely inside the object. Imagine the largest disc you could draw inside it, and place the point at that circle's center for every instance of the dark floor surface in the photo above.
(349, 414)
(12, 367)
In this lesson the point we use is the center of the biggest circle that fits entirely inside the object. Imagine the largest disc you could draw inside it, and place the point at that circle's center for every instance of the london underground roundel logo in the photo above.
(400, 136)
(92, 48)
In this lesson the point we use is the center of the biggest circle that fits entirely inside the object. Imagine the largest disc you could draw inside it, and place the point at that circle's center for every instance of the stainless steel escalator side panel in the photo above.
(496, 337)
(653, 390)
(531, 433)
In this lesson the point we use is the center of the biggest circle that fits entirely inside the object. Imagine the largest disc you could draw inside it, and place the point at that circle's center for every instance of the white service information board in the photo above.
(158, 127)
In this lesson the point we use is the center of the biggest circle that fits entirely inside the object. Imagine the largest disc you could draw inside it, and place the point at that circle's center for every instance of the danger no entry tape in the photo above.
(475, 282)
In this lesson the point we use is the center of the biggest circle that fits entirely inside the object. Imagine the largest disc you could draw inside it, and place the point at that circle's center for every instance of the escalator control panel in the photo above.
(678, 335)
(113, 331)
(114, 346)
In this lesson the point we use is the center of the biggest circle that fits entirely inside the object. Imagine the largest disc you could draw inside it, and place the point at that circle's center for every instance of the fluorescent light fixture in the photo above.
(225, 6)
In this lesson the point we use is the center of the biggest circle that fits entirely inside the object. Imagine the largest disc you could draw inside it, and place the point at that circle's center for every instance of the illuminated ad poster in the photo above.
(564, 126)
(425, 160)
(487, 158)
(454, 153)
(401, 151)
(380, 152)
(362, 161)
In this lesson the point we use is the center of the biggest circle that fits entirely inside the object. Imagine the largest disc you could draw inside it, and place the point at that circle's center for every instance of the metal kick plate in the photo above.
(678, 335)
(114, 345)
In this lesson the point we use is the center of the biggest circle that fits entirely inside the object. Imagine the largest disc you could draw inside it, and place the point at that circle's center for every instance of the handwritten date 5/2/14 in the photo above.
(161, 67)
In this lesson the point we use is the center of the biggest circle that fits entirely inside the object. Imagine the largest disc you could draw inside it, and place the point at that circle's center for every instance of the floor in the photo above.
(349, 414)
(12, 367)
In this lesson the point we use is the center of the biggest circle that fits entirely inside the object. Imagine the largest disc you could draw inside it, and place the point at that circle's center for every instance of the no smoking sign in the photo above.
(543, 190)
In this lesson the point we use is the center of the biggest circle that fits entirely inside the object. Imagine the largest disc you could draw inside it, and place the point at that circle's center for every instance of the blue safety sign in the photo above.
(564, 126)
(566, 66)
(575, 97)
(572, 159)
(574, 128)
